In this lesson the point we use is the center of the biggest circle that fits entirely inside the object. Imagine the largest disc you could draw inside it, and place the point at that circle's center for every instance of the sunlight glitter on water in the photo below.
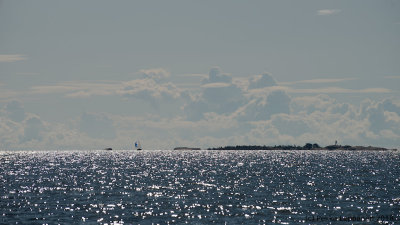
(198, 186)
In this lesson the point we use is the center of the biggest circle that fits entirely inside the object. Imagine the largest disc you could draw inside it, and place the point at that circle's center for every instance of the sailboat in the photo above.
(138, 146)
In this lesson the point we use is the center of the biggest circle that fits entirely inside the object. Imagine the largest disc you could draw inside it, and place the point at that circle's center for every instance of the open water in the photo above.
(199, 187)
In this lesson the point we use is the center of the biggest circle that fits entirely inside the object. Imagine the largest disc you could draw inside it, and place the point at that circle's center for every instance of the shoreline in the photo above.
(308, 146)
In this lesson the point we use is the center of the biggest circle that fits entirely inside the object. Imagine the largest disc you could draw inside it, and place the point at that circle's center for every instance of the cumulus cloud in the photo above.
(157, 74)
(153, 91)
(382, 115)
(161, 98)
(262, 81)
(391, 106)
(152, 87)
(328, 12)
(263, 108)
(215, 76)
(322, 119)
(156, 91)
(222, 110)
(219, 98)
(310, 104)
(218, 94)
(290, 125)
(149, 89)
(35, 133)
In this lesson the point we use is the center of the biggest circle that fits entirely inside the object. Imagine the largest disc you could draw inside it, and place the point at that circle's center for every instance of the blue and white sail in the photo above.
(138, 146)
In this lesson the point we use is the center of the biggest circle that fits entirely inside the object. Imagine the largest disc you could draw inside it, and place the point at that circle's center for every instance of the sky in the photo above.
(96, 74)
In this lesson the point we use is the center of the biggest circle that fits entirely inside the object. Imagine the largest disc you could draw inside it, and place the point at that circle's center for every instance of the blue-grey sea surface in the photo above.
(199, 187)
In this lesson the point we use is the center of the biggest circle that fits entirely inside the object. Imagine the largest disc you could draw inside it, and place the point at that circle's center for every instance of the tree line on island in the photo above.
(307, 146)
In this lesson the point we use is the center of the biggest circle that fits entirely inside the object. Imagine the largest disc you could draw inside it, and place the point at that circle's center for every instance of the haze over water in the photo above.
(199, 187)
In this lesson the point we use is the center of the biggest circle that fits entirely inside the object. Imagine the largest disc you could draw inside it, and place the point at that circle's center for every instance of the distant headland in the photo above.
(307, 146)
(186, 148)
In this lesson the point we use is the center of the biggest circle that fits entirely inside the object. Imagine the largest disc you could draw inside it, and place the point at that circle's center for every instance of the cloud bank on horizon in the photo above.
(104, 74)
(223, 110)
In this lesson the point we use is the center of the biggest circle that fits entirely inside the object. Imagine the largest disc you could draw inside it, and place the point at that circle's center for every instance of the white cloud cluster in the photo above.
(18, 128)
(149, 89)
(164, 97)
(225, 111)
(155, 74)
(218, 95)
(152, 87)
(262, 81)
(262, 108)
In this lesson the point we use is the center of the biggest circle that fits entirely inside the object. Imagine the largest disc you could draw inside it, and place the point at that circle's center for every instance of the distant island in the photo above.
(307, 146)
(186, 148)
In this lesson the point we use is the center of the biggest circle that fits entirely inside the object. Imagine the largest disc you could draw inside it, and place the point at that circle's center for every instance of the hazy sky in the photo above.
(96, 74)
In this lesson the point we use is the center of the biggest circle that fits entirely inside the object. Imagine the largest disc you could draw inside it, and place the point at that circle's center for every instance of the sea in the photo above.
(199, 187)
